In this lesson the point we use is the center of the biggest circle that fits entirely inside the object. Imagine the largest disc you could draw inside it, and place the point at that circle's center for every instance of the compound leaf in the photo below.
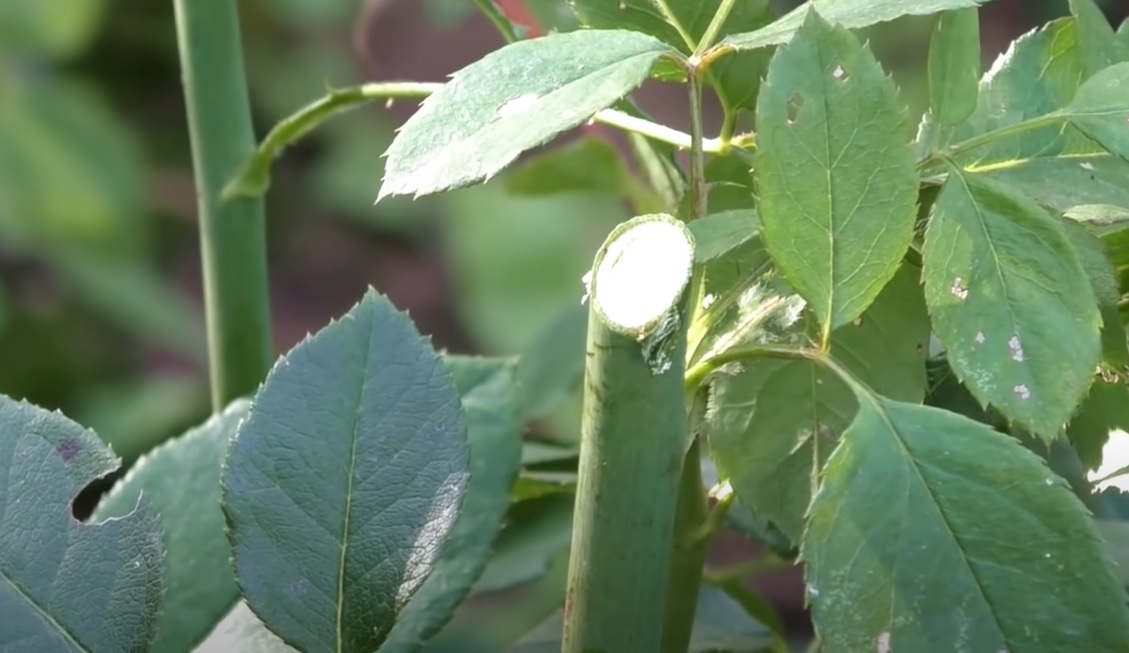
(344, 481)
(511, 100)
(1010, 302)
(1101, 109)
(769, 423)
(850, 14)
(933, 533)
(180, 481)
(838, 187)
(66, 586)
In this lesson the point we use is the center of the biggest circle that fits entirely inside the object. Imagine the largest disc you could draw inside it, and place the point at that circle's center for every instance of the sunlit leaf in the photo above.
(935, 533)
(344, 481)
(1011, 302)
(836, 177)
(511, 100)
(66, 586)
(847, 13)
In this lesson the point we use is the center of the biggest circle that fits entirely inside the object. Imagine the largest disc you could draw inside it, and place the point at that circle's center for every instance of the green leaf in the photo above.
(536, 531)
(954, 65)
(721, 625)
(489, 397)
(730, 183)
(1101, 109)
(718, 234)
(511, 100)
(1093, 255)
(69, 586)
(917, 499)
(1115, 534)
(180, 481)
(344, 481)
(588, 164)
(1105, 409)
(838, 187)
(56, 28)
(1010, 302)
(769, 423)
(850, 14)
(1097, 41)
(552, 366)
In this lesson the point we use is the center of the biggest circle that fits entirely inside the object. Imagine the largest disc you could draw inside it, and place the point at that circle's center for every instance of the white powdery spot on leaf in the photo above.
(518, 105)
(959, 290)
(883, 642)
(979, 337)
(1086, 165)
(1016, 349)
(1023, 391)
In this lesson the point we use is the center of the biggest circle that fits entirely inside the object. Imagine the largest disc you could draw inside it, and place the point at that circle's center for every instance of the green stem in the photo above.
(633, 439)
(688, 555)
(232, 235)
(698, 373)
(988, 138)
(253, 178)
(710, 36)
(498, 19)
(672, 20)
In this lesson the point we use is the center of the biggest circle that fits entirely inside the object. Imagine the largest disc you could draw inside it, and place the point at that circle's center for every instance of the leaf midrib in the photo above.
(904, 450)
(340, 621)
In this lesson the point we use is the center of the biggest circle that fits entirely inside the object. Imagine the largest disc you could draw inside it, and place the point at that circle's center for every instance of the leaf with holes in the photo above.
(850, 14)
(933, 533)
(770, 421)
(511, 100)
(838, 187)
(489, 395)
(68, 586)
(954, 65)
(181, 482)
(345, 480)
(1011, 302)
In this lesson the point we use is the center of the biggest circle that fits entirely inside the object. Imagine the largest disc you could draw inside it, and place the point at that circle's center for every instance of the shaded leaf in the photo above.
(345, 480)
(1105, 409)
(69, 586)
(534, 485)
(489, 397)
(850, 14)
(1010, 302)
(180, 481)
(718, 234)
(1097, 41)
(1093, 255)
(1115, 534)
(730, 181)
(552, 366)
(588, 164)
(917, 499)
(56, 28)
(536, 532)
(511, 100)
(837, 183)
(769, 422)
(954, 65)
(242, 631)
(720, 626)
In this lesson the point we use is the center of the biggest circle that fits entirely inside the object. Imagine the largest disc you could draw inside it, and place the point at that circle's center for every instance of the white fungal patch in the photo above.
(1086, 165)
(813, 591)
(1016, 349)
(883, 642)
(519, 104)
(1050, 480)
(857, 321)
(839, 73)
(979, 338)
(1023, 392)
(959, 290)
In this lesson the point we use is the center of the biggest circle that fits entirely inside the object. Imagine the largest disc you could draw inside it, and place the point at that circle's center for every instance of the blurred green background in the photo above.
(100, 299)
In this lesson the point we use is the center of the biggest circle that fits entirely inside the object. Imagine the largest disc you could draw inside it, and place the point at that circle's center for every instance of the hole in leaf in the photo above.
(795, 103)
(84, 503)
(840, 73)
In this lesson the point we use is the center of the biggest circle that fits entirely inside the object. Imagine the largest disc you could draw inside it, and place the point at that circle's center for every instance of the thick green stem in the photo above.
(232, 235)
(633, 439)
(688, 556)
